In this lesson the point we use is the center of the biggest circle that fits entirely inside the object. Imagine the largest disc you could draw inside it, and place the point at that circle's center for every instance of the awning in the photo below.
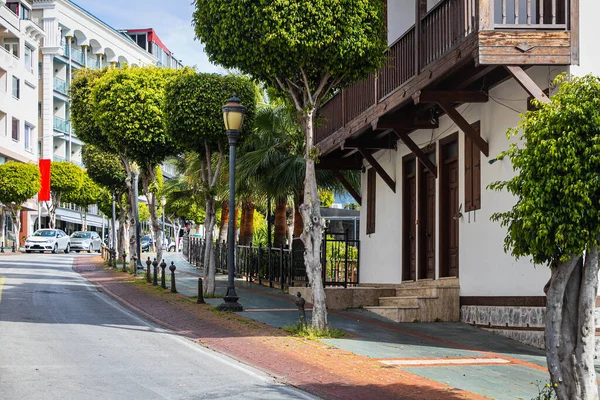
(90, 222)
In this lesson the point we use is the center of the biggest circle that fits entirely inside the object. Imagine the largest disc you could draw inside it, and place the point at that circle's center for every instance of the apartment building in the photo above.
(148, 40)
(425, 131)
(20, 39)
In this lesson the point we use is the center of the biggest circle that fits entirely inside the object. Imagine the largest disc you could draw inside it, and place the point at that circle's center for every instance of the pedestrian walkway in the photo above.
(453, 354)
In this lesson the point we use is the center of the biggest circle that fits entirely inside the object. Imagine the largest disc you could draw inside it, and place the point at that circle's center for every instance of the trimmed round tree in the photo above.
(556, 222)
(194, 119)
(18, 183)
(306, 49)
(65, 178)
(128, 109)
(85, 196)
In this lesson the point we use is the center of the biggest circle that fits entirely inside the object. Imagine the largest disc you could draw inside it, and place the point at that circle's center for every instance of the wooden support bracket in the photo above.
(527, 83)
(338, 175)
(450, 96)
(464, 126)
(373, 163)
(417, 151)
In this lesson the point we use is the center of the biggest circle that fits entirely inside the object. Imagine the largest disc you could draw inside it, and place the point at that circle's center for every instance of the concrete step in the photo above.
(396, 314)
(403, 301)
(418, 291)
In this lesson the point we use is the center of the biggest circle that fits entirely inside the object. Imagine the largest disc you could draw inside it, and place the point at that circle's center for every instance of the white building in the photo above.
(426, 133)
(20, 39)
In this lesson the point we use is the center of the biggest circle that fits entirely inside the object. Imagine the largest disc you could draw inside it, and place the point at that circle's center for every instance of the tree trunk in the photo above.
(209, 256)
(224, 221)
(148, 177)
(570, 328)
(122, 227)
(279, 236)
(298, 224)
(2, 222)
(52, 205)
(312, 235)
(247, 223)
(16, 220)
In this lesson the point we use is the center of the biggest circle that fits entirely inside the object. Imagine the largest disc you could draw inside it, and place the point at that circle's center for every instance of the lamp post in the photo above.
(233, 116)
(113, 233)
(163, 202)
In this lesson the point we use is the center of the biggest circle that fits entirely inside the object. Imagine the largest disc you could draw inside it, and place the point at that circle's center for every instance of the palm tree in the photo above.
(274, 163)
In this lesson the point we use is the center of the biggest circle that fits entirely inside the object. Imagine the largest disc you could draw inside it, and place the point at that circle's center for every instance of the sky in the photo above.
(171, 20)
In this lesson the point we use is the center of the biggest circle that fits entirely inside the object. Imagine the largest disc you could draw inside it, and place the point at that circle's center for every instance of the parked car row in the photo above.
(55, 240)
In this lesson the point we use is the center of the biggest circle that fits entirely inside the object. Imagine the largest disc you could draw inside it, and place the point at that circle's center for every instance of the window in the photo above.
(12, 46)
(25, 13)
(15, 129)
(40, 109)
(472, 173)
(3, 130)
(28, 137)
(16, 87)
(28, 57)
(13, 6)
(371, 200)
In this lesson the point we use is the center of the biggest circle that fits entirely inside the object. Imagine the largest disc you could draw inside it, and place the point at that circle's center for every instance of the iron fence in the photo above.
(280, 266)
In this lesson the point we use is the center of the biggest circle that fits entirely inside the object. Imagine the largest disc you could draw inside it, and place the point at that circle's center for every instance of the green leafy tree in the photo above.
(556, 222)
(195, 121)
(85, 196)
(18, 183)
(306, 49)
(65, 179)
(144, 212)
(326, 198)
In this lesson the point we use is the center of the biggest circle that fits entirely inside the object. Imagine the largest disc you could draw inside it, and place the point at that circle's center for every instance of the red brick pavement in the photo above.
(310, 365)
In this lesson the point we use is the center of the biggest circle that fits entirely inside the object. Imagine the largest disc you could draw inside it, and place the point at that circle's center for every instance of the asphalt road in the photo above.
(62, 339)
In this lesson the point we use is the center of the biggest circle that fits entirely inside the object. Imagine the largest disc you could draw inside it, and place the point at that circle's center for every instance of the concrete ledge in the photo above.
(343, 298)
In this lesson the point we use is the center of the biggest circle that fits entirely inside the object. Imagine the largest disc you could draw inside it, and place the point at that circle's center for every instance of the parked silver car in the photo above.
(86, 241)
(52, 240)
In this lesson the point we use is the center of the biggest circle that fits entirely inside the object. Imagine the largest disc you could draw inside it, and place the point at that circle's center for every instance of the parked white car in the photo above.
(53, 240)
(86, 241)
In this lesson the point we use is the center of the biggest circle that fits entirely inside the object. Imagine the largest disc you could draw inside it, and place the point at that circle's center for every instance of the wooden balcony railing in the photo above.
(546, 14)
(440, 30)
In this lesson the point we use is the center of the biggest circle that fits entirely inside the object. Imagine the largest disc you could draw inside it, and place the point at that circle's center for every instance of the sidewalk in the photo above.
(379, 359)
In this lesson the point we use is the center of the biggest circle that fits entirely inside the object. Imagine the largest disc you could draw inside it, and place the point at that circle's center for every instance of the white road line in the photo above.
(446, 361)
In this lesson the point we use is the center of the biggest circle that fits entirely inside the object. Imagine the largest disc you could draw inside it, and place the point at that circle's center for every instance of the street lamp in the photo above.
(233, 116)
(163, 202)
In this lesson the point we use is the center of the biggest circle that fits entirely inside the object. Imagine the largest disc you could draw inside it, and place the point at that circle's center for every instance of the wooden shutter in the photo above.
(371, 200)
(476, 168)
(472, 173)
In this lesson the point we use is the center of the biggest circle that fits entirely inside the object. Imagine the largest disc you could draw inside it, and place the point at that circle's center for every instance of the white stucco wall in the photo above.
(401, 16)
(485, 270)
(589, 57)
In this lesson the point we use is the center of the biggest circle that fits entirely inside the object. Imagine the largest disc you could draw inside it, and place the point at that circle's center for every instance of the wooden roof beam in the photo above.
(464, 126)
(450, 96)
(373, 163)
(417, 151)
(386, 123)
(527, 83)
(350, 164)
(369, 143)
(342, 179)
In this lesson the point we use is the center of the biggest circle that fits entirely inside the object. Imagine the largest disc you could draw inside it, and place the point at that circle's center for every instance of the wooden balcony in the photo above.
(457, 45)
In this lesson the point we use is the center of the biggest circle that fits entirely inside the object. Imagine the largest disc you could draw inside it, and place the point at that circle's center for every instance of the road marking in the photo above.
(445, 361)
(2, 279)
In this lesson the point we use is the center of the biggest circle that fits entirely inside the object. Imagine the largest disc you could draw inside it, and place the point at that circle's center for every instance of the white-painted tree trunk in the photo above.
(209, 253)
(312, 236)
(157, 234)
(16, 220)
(570, 328)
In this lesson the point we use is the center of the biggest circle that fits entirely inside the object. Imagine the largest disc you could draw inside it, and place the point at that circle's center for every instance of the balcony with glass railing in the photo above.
(77, 56)
(61, 86)
(93, 63)
(61, 125)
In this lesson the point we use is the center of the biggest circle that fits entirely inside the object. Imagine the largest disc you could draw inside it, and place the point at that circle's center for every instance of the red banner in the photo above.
(44, 194)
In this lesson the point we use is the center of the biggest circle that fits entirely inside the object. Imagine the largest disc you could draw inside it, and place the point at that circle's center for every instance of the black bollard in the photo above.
(163, 282)
(148, 264)
(134, 259)
(14, 249)
(172, 268)
(124, 262)
(155, 265)
(2, 248)
(300, 302)
(200, 292)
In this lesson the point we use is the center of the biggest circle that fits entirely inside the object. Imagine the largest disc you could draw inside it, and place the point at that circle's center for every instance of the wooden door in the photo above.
(409, 219)
(427, 213)
(449, 209)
